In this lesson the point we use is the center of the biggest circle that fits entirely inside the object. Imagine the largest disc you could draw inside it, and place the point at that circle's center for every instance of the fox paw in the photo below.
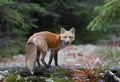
(57, 65)
(48, 66)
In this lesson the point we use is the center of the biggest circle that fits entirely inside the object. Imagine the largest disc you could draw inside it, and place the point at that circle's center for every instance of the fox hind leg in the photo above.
(42, 48)
(43, 58)
(38, 56)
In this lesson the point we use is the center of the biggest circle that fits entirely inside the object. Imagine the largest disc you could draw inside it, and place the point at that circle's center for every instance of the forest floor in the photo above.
(73, 57)
(83, 55)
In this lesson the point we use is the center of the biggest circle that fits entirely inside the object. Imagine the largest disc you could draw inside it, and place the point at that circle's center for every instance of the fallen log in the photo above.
(41, 70)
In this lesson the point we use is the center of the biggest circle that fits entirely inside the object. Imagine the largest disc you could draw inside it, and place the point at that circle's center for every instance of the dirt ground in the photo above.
(82, 55)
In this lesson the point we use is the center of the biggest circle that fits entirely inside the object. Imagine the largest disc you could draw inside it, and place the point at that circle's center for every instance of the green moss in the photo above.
(56, 79)
(61, 72)
(12, 78)
(18, 78)
(35, 79)
(118, 73)
(21, 80)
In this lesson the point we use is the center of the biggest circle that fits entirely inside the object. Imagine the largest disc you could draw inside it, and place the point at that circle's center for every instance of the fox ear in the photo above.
(72, 30)
(63, 30)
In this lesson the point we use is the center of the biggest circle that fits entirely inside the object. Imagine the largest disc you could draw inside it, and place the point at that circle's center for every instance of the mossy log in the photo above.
(38, 70)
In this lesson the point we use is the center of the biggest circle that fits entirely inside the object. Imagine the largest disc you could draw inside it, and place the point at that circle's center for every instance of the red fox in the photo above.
(41, 41)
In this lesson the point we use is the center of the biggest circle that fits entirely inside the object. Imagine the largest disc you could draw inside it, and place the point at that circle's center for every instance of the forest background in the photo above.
(95, 21)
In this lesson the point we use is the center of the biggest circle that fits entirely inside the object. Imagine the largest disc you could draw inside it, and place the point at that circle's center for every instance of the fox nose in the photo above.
(67, 42)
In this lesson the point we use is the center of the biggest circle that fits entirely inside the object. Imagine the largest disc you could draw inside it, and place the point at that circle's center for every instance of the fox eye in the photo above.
(70, 36)
(65, 36)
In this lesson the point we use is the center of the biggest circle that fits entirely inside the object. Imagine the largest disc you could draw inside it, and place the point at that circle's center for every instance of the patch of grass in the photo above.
(118, 73)
(12, 78)
(61, 73)
(110, 55)
(17, 78)
(57, 79)
(35, 79)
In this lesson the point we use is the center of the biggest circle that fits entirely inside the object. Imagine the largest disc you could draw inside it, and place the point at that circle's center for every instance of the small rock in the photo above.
(49, 80)
(78, 66)
(2, 77)
(54, 68)
(115, 68)
(100, 80)
(4, 73)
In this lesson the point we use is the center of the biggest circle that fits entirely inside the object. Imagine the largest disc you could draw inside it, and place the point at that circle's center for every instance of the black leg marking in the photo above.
(56, 59)
(51, 57)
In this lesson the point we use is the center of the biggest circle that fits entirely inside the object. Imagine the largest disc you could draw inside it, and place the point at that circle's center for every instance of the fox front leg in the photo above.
(51, 57)
(54, 53)
(56, 57)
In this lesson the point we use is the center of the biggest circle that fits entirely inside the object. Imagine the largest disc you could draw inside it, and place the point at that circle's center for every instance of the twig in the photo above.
(114, 76)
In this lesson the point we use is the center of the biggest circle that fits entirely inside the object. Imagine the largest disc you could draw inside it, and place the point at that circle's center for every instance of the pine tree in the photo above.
(108, 17)
(16, 16)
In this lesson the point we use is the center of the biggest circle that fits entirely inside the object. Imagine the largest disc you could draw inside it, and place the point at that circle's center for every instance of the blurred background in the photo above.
(95, 21)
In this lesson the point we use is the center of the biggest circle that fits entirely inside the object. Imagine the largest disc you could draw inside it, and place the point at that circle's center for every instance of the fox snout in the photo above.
(68, 40)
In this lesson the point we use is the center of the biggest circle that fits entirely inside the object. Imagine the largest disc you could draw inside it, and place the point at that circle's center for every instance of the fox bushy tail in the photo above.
(31, 54)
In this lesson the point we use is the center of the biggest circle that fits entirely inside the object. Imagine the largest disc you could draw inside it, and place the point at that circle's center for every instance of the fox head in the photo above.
(67, 36)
